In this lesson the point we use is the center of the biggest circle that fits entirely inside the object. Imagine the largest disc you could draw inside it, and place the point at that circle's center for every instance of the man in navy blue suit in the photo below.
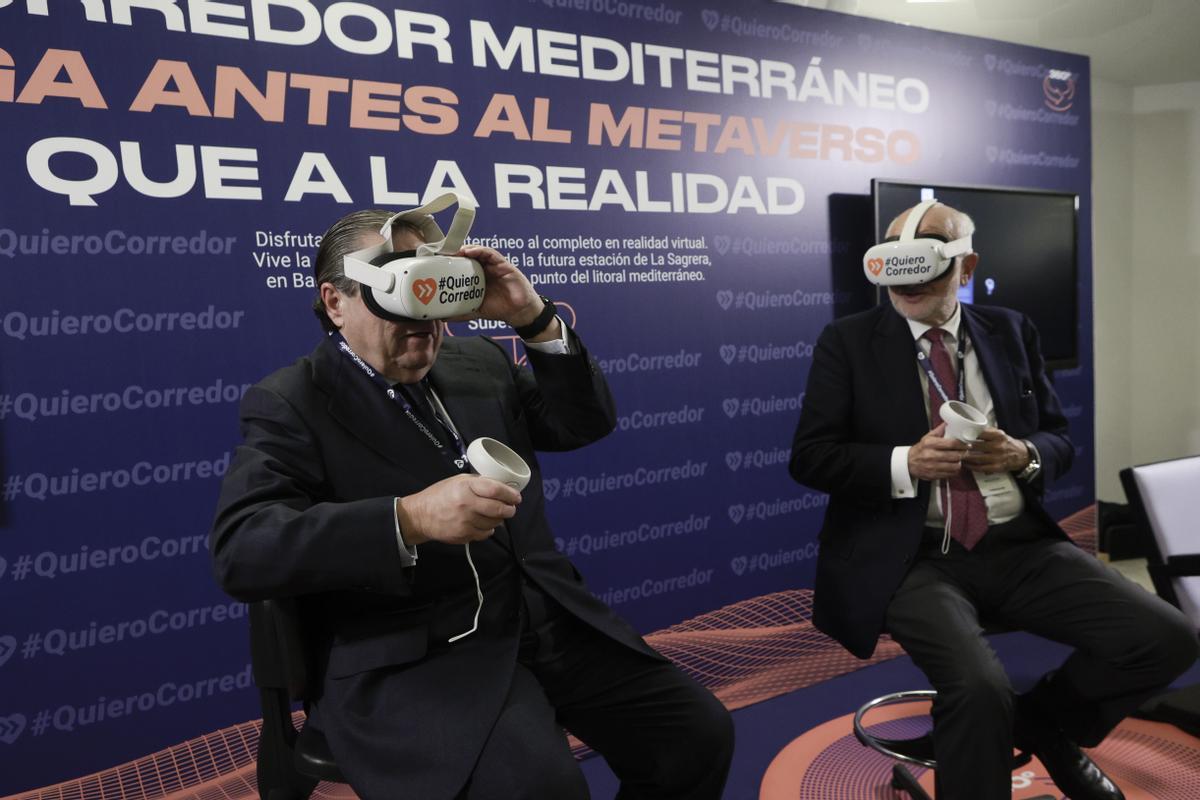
(928, 538)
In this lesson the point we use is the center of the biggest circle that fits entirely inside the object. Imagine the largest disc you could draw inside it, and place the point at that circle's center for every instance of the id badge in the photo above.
(995, 484)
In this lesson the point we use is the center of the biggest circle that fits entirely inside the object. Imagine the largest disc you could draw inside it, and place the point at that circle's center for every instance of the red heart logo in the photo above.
(875, 265)
(425, 289)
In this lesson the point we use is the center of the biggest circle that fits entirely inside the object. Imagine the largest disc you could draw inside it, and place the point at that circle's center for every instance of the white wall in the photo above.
(1112, 224)
(1146, 192)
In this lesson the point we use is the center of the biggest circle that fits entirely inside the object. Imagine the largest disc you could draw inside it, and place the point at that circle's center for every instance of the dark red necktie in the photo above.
(966, 507)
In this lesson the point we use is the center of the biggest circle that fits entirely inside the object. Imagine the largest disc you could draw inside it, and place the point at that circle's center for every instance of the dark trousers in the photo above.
(663, 735)
(1129, 645)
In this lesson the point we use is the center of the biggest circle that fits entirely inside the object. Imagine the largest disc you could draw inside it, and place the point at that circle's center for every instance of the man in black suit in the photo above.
(339, 497)
(890, 561)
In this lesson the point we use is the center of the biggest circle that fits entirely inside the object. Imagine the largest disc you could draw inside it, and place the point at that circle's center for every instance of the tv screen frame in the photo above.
(1056, 359)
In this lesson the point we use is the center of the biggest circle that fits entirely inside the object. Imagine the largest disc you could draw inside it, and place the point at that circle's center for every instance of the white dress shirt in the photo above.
(1001, 506)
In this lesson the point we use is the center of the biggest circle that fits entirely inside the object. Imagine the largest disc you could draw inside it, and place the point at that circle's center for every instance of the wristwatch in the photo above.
(1033, 467)
(541, 322)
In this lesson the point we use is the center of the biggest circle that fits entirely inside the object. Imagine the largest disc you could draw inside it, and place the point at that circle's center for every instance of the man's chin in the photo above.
(911, 305)
(420, 356)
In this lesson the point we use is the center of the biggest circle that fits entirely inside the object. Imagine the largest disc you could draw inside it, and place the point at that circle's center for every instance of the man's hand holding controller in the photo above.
(457, 510)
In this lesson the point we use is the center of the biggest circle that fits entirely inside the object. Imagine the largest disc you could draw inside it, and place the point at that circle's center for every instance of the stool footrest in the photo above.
(916, 750)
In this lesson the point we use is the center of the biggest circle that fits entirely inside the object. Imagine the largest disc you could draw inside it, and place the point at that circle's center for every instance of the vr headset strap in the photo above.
(436, 242)
(957, 247)
(909, 231)
(357, 265)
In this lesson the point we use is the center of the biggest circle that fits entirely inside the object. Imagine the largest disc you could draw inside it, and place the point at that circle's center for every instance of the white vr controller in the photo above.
(429, 282)
(911, 260)
(496, 460)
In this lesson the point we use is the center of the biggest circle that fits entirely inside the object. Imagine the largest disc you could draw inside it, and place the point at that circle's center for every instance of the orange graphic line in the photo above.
(745, 653)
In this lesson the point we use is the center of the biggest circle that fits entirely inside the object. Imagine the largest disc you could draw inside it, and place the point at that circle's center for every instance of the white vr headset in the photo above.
(911, 260)
(426, 283)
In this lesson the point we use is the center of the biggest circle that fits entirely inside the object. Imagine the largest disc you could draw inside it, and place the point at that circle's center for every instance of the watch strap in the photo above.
(540, 322)
(1033, 467)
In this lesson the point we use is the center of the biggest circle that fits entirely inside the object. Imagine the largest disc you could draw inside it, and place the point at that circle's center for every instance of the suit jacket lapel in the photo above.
(896, 359)
(997, 373)
(471, 403)
(469, 399)
(378, 422)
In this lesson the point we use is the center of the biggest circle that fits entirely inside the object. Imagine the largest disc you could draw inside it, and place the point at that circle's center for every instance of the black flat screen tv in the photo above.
(1027, 240)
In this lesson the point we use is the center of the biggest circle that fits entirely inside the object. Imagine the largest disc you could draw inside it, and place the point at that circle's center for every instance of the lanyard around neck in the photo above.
(456, 455)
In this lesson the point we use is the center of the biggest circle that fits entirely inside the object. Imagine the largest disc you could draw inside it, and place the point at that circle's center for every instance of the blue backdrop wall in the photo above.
(688, 181)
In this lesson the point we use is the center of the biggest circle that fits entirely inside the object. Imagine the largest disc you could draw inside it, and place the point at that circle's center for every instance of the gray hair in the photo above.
(343, 238)
(961, 224)
(958, 223)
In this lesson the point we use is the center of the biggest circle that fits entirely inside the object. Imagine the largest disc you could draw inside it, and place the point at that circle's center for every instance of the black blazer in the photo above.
(306, 510)
(863, 399)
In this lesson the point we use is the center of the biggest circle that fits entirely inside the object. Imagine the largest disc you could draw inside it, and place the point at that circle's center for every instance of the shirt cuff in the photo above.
(902, 483)
(554, 347)
(408, 555)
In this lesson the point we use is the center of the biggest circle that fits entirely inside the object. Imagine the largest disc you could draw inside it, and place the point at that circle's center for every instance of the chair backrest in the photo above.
(290, 762)
(1165, 497)
(278, 654)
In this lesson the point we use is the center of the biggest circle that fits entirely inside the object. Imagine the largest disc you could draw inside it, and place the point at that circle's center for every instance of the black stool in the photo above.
(290, 762)
(918, 750)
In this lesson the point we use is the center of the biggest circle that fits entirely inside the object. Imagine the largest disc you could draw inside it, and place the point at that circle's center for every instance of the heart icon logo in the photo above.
(733, 460)
(738, 565)
(736, 513)
(730, 405)
(722, 244)
(725, 299)
(11, 727)
(728, 353)
(8, 646)
(992, 152)
(989, 60)
(711, 18)
(425, 289)
(1059, 96)
(875, 265)
(550, 488)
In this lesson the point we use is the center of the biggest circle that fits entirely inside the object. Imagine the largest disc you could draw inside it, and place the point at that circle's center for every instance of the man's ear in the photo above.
(970, 261)
(333, 300)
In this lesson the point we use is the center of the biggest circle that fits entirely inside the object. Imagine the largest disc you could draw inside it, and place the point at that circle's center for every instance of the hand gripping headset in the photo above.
(911, 259)
(429, 282)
